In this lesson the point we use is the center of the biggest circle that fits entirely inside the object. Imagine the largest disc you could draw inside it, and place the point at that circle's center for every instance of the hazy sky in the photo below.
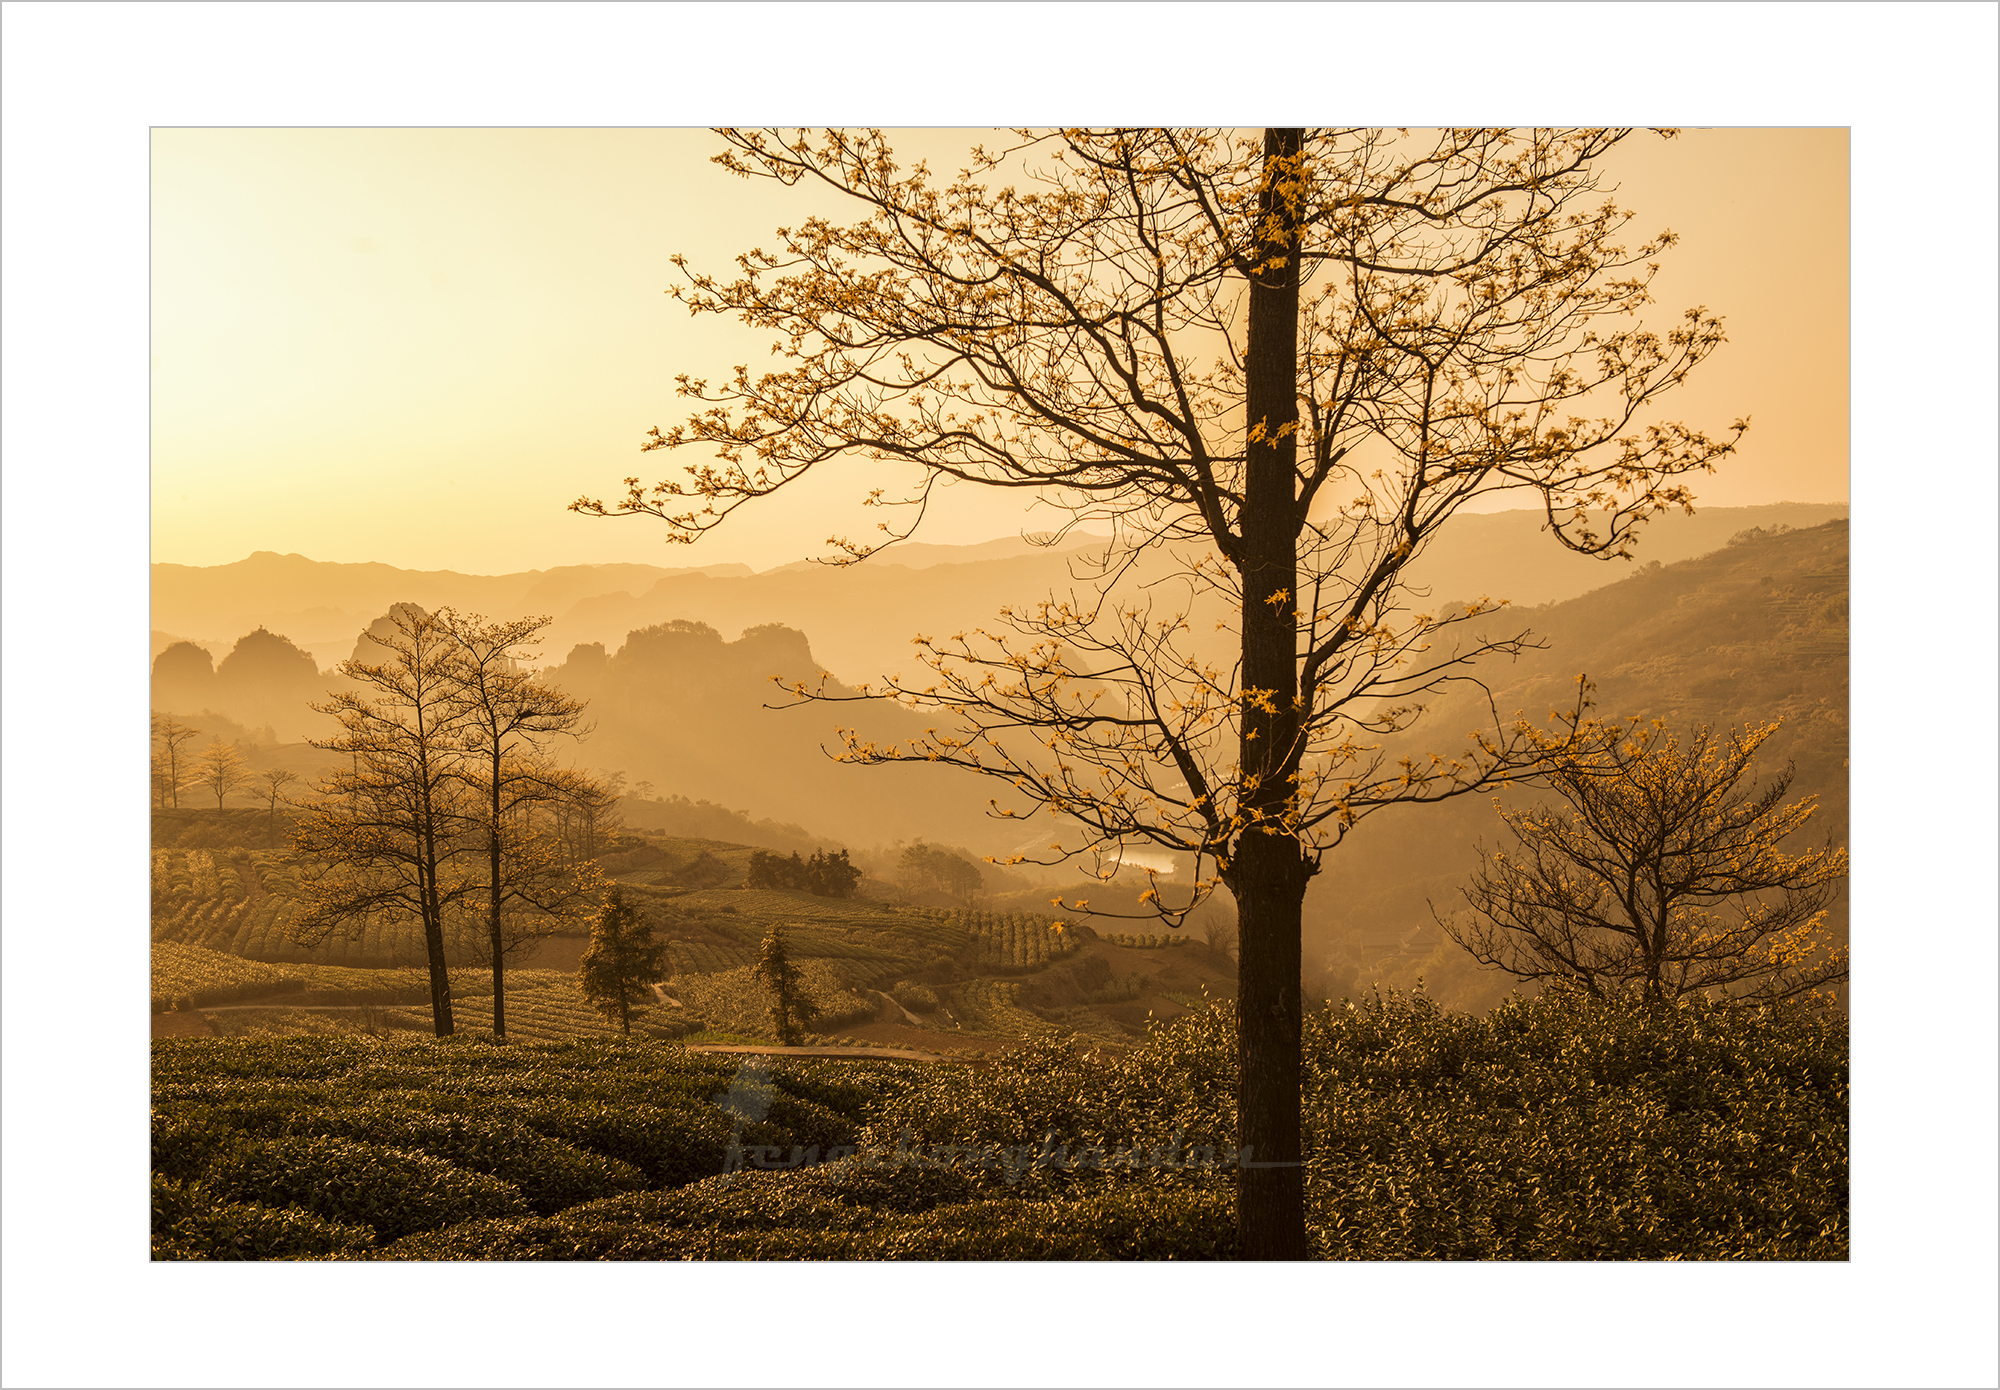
(418, 345)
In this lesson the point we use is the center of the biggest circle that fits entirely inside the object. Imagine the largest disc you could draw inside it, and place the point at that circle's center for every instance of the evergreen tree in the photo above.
(791, 1011)
(830, 875)
(622, 960)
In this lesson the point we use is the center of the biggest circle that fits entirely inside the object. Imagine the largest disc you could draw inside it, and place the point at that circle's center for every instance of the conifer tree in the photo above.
(791, 1011)
(622, 960)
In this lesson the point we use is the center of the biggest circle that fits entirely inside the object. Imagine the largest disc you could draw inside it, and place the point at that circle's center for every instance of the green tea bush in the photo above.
(669, 1147)
(1552, 1128)
(1556, 1128)
(396, 1191)
(190, 1224)
(549, 1173)
(769, 1216)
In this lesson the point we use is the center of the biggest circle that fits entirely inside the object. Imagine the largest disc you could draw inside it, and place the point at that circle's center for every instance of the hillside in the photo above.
(959, 978)
(1753, 632)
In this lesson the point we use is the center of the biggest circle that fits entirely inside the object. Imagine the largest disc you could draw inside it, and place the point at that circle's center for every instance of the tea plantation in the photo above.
(1558, 1128)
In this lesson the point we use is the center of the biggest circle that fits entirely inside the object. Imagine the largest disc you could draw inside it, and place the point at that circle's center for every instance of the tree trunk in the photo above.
(493, 909)
(1268, 872)
(624, 983)
(1270, 1178)
(441, 1021)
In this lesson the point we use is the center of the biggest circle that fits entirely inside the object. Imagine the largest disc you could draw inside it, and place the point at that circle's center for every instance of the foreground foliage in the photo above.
(1556, 1128)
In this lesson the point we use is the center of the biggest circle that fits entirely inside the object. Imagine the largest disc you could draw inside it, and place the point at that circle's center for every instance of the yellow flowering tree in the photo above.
(1275, 365)
(1659, 874)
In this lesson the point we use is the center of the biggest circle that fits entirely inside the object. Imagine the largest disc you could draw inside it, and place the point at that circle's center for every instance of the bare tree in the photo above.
(171, 764)
(275, 780)
(392, 834)
(1658, 876)
(508, 720)
(221, 770)
(1277, 367)
(1218, 930)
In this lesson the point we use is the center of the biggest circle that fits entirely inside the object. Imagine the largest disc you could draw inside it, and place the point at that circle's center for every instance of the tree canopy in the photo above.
(1660, 874)
(1276, 366)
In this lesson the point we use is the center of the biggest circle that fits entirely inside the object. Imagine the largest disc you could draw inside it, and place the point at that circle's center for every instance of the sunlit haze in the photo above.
(418, 346)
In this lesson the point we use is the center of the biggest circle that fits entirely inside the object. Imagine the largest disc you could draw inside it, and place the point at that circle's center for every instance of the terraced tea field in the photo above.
(241, 902)
(221, 939)
(547, 1006)
(194, 977)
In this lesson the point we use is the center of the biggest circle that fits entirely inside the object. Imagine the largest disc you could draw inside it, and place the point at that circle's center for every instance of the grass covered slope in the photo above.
(1555, 1128)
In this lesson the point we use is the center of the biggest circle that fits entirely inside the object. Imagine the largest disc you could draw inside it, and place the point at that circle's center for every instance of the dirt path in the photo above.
(908, 1017)
(302, 1008)
(859, 1054)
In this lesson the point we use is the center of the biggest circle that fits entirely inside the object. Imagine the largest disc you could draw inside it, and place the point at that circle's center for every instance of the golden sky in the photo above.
(417, 346)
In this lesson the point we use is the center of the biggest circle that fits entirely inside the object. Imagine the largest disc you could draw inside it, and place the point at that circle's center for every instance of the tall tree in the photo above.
(171, 738)
(221, 770)
(1277, 366)
(507, 721)
(622, 960)
(392, 833)
(792, 1012)
(1659, 875)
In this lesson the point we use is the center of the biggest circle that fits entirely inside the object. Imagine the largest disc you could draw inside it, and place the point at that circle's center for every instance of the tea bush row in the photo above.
(402, 1138)
(1013, 941)
(1554, 1128)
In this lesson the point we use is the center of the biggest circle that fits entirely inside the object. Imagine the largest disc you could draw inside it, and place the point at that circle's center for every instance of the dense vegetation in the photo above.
(1557, 1128)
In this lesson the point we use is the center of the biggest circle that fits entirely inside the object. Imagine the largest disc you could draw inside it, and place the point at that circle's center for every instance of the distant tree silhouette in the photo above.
(1657, 876)
(830, 875)
(171, 763)
(940, 870)
(824, 875)
(791, 1011)
(275, 780)
(221, 770)
(622, 960)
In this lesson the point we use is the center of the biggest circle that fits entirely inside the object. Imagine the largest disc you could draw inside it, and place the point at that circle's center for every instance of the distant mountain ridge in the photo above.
(319, 603)
(860, 617)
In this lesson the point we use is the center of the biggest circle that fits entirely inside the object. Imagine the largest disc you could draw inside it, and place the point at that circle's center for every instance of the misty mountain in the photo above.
(677, 704)
(680, 707)
(861, 617)
(1509, 554)
(264, 681)
(319, 603)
